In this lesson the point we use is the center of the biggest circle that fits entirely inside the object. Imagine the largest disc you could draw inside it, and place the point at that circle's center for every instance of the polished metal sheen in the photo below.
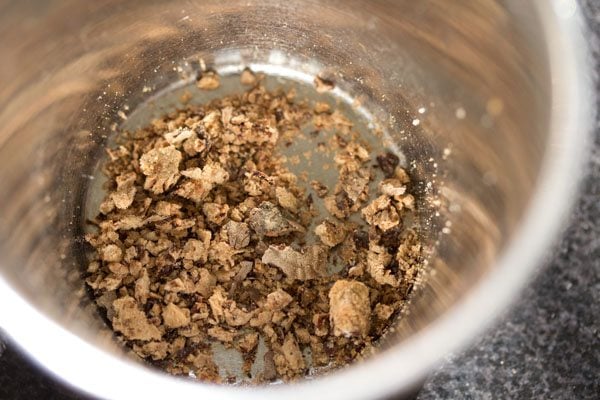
(505, 88)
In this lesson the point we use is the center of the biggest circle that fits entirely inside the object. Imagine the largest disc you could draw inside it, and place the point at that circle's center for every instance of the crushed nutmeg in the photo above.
(205, 236)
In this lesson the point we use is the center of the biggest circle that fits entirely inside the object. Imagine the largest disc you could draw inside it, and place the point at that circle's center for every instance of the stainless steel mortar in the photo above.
(498, 151)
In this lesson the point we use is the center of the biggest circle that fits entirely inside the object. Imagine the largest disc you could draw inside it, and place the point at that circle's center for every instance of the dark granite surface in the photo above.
(547, 346)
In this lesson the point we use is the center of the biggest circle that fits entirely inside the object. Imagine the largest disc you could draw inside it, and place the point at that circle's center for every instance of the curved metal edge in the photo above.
(389, 372)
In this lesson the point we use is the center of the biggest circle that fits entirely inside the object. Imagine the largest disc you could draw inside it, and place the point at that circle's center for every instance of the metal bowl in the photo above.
(497, 154)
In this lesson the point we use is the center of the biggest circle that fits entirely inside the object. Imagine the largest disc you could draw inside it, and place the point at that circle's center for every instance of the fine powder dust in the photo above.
(205, 236)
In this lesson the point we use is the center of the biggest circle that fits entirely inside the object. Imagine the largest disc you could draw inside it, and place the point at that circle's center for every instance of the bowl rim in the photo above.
(405, 365)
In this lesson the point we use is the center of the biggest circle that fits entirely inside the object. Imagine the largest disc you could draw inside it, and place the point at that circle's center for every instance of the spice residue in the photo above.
(206, 236)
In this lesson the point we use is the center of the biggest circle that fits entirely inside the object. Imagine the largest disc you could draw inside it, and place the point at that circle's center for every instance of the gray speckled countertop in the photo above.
(547, 346)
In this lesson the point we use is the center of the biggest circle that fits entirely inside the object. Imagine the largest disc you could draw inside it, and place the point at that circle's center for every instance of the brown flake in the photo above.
(331, 233)
(269, 371)
(209, 80)
(286, 199)
(155, 350)
(132, 322)
(340, 205)
(350, 308)
(238, 234)
(248, 342)
(309, 264)
(245, 269)
(407, 201)
(323, 85)
(118, 269)
(321, 108)
(409, 255)
(319, 188)
(302, 335)
(125, 193)
(177, 285)
(215, 212)
(106, 301)
(161, 167)
(107, 205)
(200, 181)
(356, 184)
(278, 300)
(392, 188)
(320, 356)
(236, 317)
(381, 213)
(196, 250)
(206, 282)
(401, 175)
(377, 260)
(111, 253)
(217, 303)
(204, 367)
(174, 316)
(226, 310)
(221, 254)
(178, 136)
(247, 77)
(289, 360)
(129, 222)
(321, 324)
(383, 311)
(221, 334)
(267, 220)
